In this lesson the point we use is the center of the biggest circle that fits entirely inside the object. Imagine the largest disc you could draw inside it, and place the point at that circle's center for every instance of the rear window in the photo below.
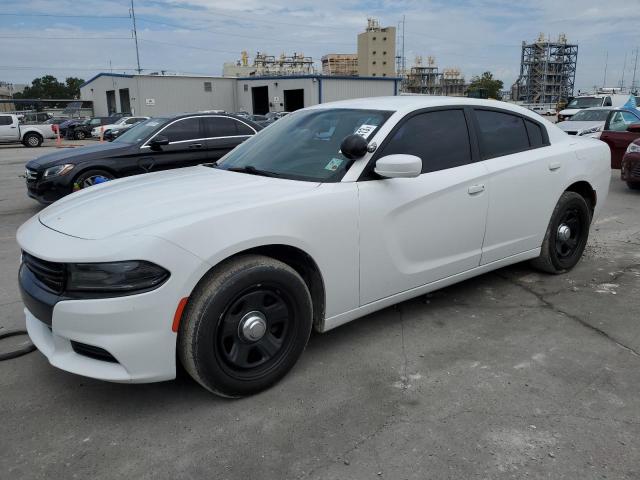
(536, 139)
(501, 133)
(5, 120)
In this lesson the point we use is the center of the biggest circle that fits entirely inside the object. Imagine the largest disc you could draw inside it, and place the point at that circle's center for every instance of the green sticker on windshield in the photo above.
(333, 164)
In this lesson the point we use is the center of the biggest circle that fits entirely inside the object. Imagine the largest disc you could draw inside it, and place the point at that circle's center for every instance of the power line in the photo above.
(65, 37)
(185, 46)
(16, 14)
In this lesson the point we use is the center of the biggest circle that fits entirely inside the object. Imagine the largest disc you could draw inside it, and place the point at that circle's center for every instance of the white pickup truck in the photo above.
(11, 131)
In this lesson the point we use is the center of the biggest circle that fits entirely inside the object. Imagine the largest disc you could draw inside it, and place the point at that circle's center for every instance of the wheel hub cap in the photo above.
(564, 233)
(253, 326)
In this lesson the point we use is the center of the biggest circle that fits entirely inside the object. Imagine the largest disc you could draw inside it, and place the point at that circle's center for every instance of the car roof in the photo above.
(408, 103)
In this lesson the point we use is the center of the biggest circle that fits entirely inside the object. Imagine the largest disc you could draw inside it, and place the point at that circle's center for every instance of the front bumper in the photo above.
(50, 190)
(134, 331)
(630, 168)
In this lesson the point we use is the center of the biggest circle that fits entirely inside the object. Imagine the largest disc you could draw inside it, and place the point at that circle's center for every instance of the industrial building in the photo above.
(155, 95)
(376, 50)
(428, 80)
(342, 64)
(264, 65)
(547, 71)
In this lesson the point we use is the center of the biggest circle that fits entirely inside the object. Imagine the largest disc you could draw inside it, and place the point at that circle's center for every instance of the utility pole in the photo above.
(624, 67)
(404, 66)
(135, 36)
(606, 62)
(635, 66)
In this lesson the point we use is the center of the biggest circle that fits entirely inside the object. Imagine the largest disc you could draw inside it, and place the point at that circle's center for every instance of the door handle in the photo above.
(475, 189)
(554, 166)
(14, 126)
(195, 145)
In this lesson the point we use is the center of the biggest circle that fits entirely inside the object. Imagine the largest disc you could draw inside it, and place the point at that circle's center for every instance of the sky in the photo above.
(82, 38)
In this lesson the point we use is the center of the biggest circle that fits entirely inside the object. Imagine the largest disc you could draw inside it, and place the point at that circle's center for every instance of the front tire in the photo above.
(90, 178)
(32, 140)
(566, 236)
(80, 135)
(245, 326)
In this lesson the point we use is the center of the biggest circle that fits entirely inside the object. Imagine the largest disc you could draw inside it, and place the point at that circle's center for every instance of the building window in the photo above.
(373, 74)
(384, 74)
(384, 63)
(374, 62)
(384, 39)
(246, 87)
(384, 53)
(207, 87)
(374, 38)
(373, 53)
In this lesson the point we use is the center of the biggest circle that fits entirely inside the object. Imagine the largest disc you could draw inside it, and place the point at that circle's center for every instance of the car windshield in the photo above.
(141, 131)
(304, 145)
(585, 102)
(590, 116)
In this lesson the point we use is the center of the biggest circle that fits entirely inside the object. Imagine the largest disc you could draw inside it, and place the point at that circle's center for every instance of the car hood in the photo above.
(573, 126)
(132, 204)
(76, 155)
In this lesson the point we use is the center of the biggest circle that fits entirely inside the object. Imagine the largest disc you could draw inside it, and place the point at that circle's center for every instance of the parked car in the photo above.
(271, 117)
(589, 101)
(82, 130)
(113, 133)
(33, 118)
(69, 123)
(152, 145)
(618, 134)
(589, 121)
(331, 213)
(123, 122)
(630, 168)
(11, 131)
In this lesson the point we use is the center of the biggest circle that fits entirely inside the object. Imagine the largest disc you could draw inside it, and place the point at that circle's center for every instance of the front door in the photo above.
(414, 231)
(8, 129)
(616, 136)
(187, 147)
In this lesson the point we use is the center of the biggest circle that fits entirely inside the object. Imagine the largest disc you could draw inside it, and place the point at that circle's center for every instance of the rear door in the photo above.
(414, 231)
(187, 146)
(525, 174)
(9, 130)
(616, 136)
(224, 134)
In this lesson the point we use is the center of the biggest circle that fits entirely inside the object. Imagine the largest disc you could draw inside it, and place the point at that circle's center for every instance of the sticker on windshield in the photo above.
(333, 165)
(365, 130)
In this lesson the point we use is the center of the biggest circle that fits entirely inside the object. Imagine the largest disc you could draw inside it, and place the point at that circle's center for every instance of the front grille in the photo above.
(90, 351)
(50, 274)
(30, 174)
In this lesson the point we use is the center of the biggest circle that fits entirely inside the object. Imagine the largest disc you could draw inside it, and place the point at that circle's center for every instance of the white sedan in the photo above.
(124, 122)
(331, 213)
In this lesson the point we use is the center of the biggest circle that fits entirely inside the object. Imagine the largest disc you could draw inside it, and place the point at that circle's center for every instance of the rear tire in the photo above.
(566, 236)
(217, 343)
(633, 185)
(32, 140)
(80, 135)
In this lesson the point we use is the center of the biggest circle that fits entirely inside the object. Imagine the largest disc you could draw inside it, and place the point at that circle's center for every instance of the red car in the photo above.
(621, 128)
(631, 163)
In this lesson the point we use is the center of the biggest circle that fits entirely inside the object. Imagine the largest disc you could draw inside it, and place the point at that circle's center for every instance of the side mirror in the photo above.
(158, 142)
(634, 128)
(399, 166)
(354, 147)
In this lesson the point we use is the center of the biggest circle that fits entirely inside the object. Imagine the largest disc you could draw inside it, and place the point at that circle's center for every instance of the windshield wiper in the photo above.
(250, 169)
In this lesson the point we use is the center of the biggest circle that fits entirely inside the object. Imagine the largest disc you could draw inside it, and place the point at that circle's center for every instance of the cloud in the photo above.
(198, 36)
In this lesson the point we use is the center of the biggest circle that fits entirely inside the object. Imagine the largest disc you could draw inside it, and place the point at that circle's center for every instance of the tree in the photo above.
(48, 86)
(485, 86)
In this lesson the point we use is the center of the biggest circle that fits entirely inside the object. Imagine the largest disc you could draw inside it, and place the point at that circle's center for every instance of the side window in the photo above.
(219, 127)
(243, 128)
(6, 120)
(534, 131)
(619, 121)
(131, 121)
(607, 102)
(501, 133)
(187, 129)
(440, 139)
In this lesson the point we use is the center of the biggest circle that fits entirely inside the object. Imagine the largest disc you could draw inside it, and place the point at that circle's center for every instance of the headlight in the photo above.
(591, 130)
(115, 277)
(59, 170)
(633, 148)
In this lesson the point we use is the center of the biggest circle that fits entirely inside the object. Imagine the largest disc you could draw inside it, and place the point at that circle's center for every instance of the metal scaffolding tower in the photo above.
(547, 71)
